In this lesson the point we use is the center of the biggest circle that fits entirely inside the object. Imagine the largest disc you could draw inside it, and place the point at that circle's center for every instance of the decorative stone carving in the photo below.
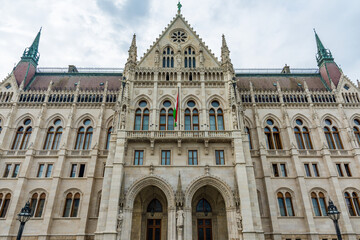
(120, 219)
(157, 56)
(180, 218)
(234, 118)
(239, 221)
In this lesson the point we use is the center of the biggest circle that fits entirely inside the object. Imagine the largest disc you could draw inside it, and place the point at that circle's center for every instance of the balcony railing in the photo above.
(178, 134)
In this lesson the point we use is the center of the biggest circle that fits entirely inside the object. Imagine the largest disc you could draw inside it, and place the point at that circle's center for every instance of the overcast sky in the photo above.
(259, 33)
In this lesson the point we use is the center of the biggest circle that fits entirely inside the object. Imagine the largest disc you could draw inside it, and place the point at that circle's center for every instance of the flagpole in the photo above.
(179, 108)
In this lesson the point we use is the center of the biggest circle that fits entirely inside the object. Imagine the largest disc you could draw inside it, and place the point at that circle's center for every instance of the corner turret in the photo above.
(329, 70)
(26, 68)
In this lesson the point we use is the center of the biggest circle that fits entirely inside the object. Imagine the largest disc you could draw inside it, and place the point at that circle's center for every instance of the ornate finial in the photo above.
(179, 7)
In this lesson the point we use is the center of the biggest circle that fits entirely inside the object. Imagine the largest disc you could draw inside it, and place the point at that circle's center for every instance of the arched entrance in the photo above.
(209, 220)
(150, 216)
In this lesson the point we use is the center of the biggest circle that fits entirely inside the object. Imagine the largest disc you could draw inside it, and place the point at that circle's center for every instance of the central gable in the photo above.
(175, 42)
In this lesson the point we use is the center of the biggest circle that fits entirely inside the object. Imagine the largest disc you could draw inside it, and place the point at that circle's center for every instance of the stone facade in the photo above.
(119, 169)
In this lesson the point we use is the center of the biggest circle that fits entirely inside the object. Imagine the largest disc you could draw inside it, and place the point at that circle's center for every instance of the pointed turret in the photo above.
(225, 56)
(329, 70)
(133, 50)
(26, 68)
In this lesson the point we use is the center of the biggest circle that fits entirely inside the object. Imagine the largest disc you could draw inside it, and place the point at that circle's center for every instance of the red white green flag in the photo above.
(175, 113)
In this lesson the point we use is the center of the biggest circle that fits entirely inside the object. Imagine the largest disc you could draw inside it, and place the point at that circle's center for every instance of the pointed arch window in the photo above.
(248, 134)
(108, 136)
(72, 203)
(154, 206)
(22, 136)
(356, 129)
(37, 204)
(216, 117)
(353, 204)
(4, 203)
(53, 137)
(319, 204)
(191, 117)
(302, 135)
(166, 116)
(84, 136)
(168, 57)
(272, 133)
(285, 204)
(332, 135)
(190, 58)
(203, 206)
(142, 115)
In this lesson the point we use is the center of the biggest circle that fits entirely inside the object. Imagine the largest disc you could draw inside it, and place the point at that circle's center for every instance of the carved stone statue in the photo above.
(239, 221)
(180, 218)
(235, 122)
(120, 219)
(157, 56)
(202, 59)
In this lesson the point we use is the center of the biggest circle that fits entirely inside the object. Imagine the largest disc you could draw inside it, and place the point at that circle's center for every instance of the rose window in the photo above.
(179, 36)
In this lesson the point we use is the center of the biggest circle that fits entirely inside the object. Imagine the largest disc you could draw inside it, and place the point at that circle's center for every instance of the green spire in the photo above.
(32, 53)
(179, 7)
(323, 54)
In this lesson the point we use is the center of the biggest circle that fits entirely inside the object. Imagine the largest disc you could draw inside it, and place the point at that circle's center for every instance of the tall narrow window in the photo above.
(289, 205)
(7, 170)
(189, 59)
(339, 169)
(191, 116)
(272, 134)
(275, 170)
(347, 169)
(68, 203)
(350, 204)
(193, 157)
(216, 117)
(40, 205)
(108, 136)
(22, 136)
(219, 156)
(72, 203)
(5, 204)
(283, 170)
(167, 117)
(53, 137)
(73, 170)
(356, 130)
(281, 202)
(75, 207)
(356, 202)
(299, 138)
(307, 170)
(332, 136)
(26, 138)
(84, 136)
(247, 131)
(142, 117)
(16, 171)
(40, 170)
(48, 170)
(315, 202)
(49, 138)
(165, 157)
(315, 170)
(322, 202)
(18, 138)
(168, 57)
(139, 157)
(302, 135)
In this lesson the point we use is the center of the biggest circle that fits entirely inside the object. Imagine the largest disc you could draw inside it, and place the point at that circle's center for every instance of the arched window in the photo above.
(167, 116)
(142, 117)
(272, 133)
(285, 204)
(216, 117)
(168, 58)
(332, 136)
(302, 135)
(189, 60)
(356, 130)
(319, 204)
(53, 136)
(154, 206)
(37, 204)
(108, 136)
(353, 204)
(4, 203)
(247, 131)
(72, 203)
(191, 116)
(84, 136)
(203, 206)
(22, 136)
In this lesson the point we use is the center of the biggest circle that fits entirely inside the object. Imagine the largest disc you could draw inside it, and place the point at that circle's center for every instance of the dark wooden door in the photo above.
(153, 229)
(204, 229)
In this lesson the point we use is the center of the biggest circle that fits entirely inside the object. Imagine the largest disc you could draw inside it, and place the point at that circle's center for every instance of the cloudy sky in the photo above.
(259, 33)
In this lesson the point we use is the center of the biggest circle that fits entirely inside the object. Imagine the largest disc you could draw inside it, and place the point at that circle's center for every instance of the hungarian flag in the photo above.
(175, 113)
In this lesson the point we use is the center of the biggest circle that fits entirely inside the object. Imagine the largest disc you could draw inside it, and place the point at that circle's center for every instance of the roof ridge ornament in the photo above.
(179, 7)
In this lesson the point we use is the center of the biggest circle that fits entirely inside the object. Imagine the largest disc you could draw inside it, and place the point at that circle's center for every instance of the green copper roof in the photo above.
(323, 54)
(32, 53)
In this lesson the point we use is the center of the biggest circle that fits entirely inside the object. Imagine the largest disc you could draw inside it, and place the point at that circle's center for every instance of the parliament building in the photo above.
(179, 145)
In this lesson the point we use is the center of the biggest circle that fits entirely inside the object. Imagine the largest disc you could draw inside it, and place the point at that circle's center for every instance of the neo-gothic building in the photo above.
(253, 155)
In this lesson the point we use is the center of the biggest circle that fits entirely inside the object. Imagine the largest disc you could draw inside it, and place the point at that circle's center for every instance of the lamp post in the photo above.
(334, 215)
(24, 216)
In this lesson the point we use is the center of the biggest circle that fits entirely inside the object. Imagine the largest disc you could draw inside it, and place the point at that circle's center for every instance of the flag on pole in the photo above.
(175, 113)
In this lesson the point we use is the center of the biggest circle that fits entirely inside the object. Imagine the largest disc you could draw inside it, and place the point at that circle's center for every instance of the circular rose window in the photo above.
(179, 36)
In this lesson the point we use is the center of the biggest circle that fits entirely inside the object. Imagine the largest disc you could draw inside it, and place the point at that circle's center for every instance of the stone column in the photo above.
(187, 222)
(171, 223)
(127, 224)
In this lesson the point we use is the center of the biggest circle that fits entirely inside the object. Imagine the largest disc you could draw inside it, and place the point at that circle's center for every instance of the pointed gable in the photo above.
(178, 36)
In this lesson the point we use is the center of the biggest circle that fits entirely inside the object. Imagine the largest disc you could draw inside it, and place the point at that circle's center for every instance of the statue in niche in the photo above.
(120, 219)
(157, 56)
(202, 59)
(239, 220)
(180, 218)
(235, 122)
(178, 56)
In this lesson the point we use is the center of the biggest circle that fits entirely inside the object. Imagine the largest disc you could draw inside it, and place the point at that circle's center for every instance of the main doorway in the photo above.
(153, 229)
(204, 229)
